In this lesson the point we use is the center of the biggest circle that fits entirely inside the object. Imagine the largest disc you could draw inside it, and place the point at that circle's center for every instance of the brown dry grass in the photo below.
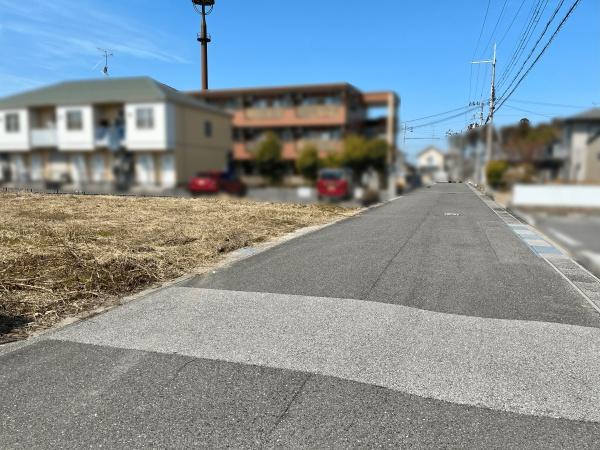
(62, 256)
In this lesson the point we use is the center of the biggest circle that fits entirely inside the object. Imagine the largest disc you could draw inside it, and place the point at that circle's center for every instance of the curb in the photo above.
(582, 280)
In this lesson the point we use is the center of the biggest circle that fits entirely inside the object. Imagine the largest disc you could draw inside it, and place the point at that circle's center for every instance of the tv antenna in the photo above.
(106, 54)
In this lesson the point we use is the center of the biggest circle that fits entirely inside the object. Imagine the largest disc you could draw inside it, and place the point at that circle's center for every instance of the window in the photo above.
(208, 129)
(12, 123)
(74, 120)
(144, 118)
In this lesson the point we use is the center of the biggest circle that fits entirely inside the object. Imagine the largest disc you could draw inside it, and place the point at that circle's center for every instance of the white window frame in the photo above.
(142, 121)
(74, 120)
(14, 125)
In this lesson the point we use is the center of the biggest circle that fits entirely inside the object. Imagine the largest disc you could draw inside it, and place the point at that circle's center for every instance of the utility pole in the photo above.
(490, 119)
(204, 8)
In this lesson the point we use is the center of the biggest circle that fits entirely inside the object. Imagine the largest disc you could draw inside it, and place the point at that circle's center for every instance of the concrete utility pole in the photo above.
(204, 8)
(490, 119)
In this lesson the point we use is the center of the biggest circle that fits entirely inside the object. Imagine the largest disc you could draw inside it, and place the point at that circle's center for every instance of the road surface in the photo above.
(578, 233)
(432, 321)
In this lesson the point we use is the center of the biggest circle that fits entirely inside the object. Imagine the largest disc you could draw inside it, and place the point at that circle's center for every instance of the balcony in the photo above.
(244, 151)
(319, 111)
(44, 137)
(305, 115)
(264, 113)
(110, 137)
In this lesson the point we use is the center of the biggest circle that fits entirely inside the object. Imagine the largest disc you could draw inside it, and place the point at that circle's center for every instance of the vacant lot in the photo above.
(61, 256)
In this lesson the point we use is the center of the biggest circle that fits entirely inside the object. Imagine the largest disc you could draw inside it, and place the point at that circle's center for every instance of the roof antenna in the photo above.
(107, 54)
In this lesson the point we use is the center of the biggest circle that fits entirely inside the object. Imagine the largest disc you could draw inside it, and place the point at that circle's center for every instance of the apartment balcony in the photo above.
(319, 111)
(244, 151)
(306, 115)
(264, 113)
(44, 137)
(110, 137)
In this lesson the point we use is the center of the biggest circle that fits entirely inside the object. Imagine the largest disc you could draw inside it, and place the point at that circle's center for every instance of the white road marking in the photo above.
(564, 238)
(537, 243)
(536, 368)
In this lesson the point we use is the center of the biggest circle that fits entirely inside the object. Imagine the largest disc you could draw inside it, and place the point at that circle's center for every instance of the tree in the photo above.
(495, 172)
(524, 143)
(377, 150)
(332, 160)
(268, 157)
(360, 153)
(308, 162)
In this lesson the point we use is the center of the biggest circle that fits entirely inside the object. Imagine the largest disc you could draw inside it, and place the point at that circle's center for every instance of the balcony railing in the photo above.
(318, 111)
(264, 113)
(43, 137)
(110, 137)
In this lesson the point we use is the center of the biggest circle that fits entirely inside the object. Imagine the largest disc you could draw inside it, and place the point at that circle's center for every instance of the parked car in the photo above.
(214, 182)
(334, 184)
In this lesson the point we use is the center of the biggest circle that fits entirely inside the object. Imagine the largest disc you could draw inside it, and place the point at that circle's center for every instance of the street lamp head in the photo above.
(206, 5)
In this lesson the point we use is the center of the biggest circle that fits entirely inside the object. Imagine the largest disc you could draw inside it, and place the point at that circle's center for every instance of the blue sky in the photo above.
(419, 49)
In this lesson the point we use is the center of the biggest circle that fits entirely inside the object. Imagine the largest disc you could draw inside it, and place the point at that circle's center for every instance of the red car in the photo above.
(335, 184)
(215, 182)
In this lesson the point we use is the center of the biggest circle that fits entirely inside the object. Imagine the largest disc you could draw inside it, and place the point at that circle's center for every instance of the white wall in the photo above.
(75, 139)
(15, 141)
(437, 158)
(147, 139)
(557, 196)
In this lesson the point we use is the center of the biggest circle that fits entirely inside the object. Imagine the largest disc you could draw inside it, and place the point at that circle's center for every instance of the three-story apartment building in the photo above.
(124, 130)
(319, 114)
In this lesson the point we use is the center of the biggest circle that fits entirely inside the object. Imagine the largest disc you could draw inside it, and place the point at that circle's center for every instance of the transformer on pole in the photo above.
(204, 8)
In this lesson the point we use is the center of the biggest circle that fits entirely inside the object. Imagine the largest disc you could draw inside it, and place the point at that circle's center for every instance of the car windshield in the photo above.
(207, 175)
(331, 175)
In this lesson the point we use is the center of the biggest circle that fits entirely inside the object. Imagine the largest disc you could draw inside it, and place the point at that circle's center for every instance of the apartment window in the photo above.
(74, 120)
(208, 129)
(12, 123)
(144, 118)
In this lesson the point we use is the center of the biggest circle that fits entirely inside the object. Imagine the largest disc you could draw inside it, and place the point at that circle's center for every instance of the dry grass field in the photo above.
(64, 255)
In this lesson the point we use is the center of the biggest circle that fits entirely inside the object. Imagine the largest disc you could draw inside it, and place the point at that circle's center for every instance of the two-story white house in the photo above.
(581, 139)
(431, 165)
(132, 130)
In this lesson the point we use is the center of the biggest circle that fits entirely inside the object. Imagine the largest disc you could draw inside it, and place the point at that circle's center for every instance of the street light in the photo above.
(204, 8)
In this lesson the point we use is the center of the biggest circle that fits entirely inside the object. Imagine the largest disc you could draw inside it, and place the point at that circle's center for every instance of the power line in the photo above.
(495, 27)
(487, 10)
(558, 105)
(512, 22)
(556, 10)
(504, 97)
(439, 114)
(526, 34)
(529, 111)
(445, 119)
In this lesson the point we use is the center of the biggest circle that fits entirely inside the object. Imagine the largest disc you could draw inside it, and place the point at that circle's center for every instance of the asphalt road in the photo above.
(427, 322)
(578, 233)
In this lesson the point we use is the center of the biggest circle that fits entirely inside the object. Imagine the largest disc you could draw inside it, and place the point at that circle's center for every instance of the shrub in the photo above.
(494, 172)
(307, 163)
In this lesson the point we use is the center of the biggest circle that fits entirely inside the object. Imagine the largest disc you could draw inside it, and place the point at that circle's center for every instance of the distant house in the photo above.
(431, 164)
(129, 131)
(581, 138)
